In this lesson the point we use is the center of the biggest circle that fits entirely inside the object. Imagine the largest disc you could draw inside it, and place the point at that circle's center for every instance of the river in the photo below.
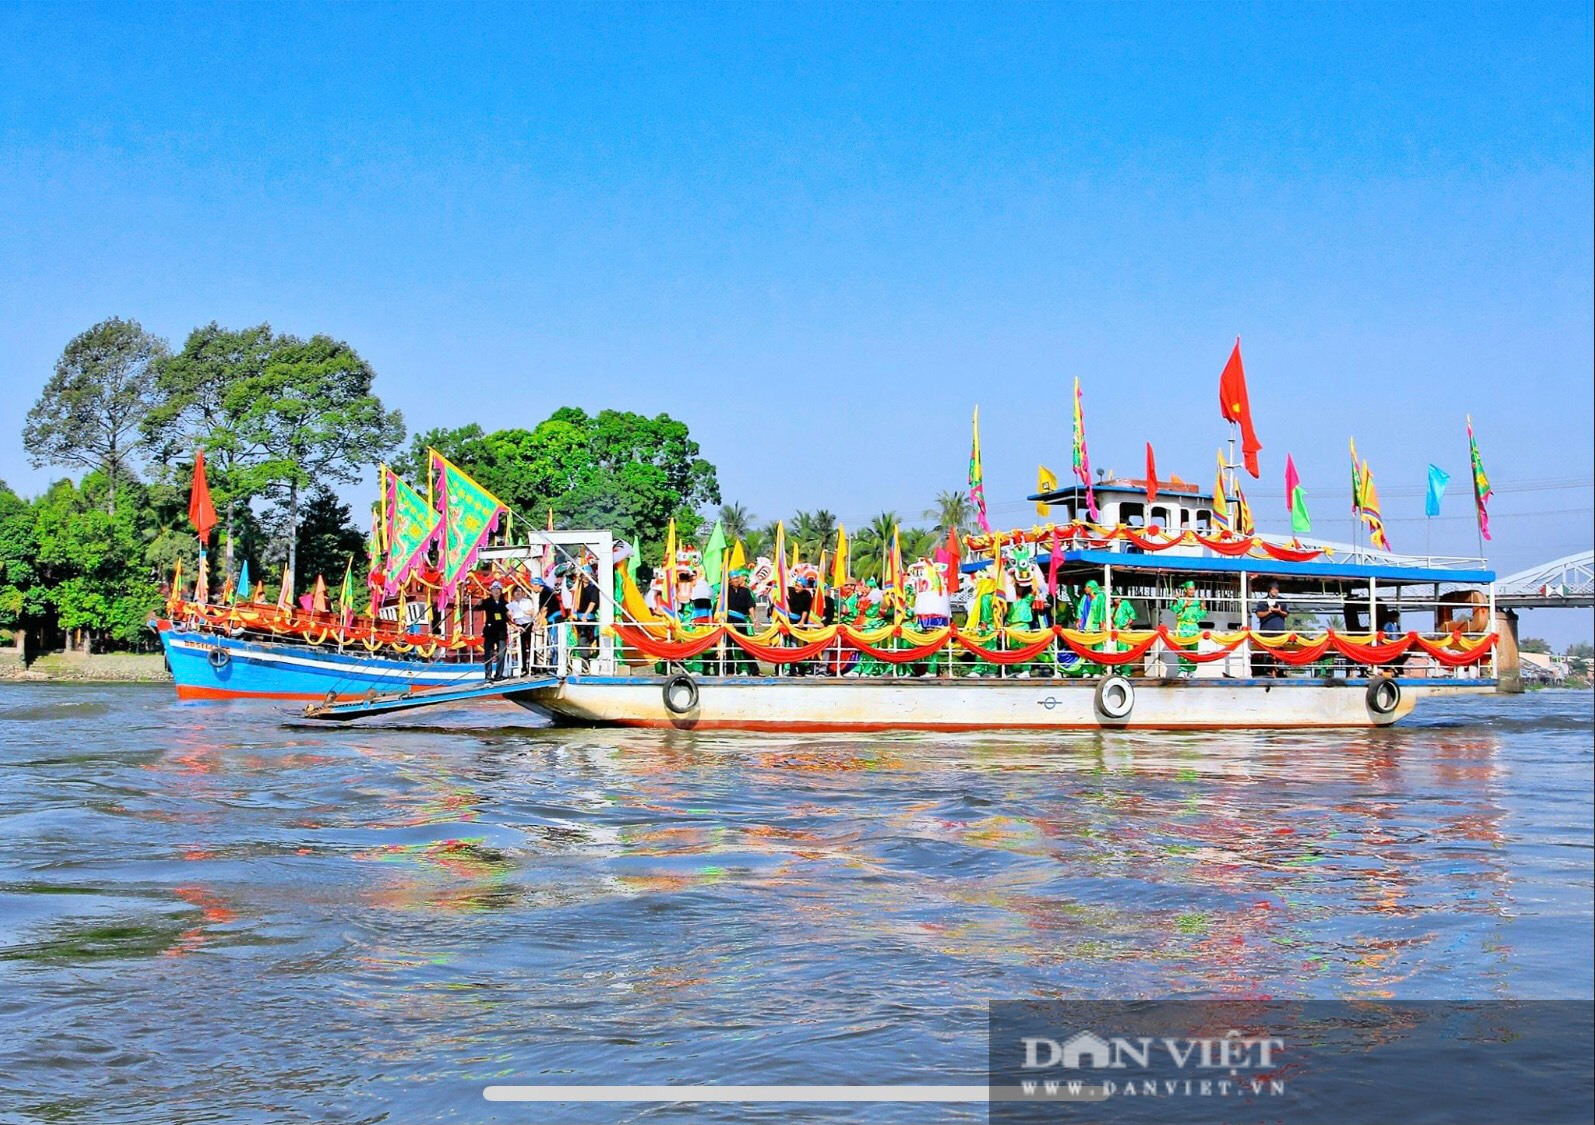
(212, 912)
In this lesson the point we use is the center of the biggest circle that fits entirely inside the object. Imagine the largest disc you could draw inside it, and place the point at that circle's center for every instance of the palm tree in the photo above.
(756, 542)
(870, 544)
(918, 542)
(825, 526)
(737, 521)
(952, 510)
(805, 533)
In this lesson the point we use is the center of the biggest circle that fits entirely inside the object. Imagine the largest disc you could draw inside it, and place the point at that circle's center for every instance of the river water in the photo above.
(211, 912)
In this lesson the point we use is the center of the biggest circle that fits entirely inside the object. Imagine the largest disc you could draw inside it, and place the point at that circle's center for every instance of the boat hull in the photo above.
(785, 704)
(212, 666)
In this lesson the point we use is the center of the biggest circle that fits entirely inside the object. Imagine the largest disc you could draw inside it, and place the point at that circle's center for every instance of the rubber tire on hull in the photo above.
(219, 658)
(1383, 696)
(1115, 698)
(677, 686)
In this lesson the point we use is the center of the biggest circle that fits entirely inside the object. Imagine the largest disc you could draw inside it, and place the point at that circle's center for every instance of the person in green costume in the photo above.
(985, 611)
(1091, 616)
(1188, 613)
(875, 610)
(1022, 614)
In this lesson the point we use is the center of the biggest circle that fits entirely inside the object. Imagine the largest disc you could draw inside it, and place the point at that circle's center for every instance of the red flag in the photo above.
(201, 512)
(1151, 475)
(1237, 406)
(951, 554)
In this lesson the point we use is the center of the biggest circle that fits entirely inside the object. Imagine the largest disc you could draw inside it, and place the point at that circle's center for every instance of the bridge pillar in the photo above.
(1508, 668)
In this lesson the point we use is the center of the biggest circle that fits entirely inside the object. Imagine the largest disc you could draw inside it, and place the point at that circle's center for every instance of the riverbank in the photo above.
(100, 668)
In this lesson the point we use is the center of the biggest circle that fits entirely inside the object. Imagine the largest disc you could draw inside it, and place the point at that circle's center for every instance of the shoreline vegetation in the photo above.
(85, 668)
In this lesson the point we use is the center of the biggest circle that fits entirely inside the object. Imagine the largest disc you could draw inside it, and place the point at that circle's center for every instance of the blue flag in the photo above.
(243, 582)
(1438, 479)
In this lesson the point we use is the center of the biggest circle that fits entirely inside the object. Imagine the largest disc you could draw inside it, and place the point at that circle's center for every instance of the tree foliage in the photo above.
(92, 406)
(617, 470)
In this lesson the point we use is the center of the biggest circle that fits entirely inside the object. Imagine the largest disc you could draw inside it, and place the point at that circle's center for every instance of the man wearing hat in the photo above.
(495, 629)
(739, 616)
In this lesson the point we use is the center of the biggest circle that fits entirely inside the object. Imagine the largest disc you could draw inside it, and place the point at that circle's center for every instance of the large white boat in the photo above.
(1369, 634)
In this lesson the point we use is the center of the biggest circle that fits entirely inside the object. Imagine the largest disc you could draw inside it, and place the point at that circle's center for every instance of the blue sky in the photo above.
(820, 235)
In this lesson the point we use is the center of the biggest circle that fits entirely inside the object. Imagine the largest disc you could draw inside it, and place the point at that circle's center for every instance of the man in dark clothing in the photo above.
(739, 615)
(495, 630)
(799, 608)
(585, 608)
(1272, 617)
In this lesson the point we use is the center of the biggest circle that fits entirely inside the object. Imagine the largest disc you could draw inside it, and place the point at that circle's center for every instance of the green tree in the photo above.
(313, 415)
(871, 544)
(1534, 644)
(90, 561)
(203, 394)
(92, 407)
(21, 597)
(951, 510)
(328, 538)
(616, 470)
(1583, 650)
(737, 519)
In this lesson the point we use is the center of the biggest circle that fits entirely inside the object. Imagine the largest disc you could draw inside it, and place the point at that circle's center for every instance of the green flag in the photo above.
(1296, 496)
(714, 553)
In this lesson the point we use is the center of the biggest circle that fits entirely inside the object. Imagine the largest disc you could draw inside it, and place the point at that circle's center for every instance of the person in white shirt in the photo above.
(522, 612)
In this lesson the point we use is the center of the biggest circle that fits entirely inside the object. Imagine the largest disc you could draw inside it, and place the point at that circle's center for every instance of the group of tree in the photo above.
(283, 421)
(617, 470)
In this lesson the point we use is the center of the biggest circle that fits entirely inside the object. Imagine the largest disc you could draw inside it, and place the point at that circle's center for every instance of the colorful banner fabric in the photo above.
(412, 527)
(1481, 483)
(470, 513)
(1301, 523)
(977, 479)
(1082, 457)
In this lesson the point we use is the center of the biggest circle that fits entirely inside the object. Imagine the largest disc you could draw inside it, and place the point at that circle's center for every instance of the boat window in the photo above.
(1161, 516)
(1132, 514)
(1204, 519)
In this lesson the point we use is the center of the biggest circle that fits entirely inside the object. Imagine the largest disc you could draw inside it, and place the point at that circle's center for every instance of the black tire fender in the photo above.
(219, 658)
(1115, 697)
(1383, 695)
(681, 694)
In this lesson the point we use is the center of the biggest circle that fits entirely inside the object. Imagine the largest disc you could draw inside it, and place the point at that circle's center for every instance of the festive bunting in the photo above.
(1237, 406)
(1481, 483)
(470, 513)
(977, 479)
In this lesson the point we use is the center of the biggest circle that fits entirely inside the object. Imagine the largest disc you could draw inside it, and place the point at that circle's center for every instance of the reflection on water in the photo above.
(207, 909)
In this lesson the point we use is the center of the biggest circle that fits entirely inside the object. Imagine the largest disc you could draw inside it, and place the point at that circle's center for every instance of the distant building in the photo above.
(1543, 667)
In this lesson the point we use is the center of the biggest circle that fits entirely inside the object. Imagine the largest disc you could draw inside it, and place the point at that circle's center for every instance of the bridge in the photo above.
(1567, 583)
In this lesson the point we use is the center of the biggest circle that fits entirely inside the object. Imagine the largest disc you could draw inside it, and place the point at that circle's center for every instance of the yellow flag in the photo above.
(839, 566)
(739, 558)
(670, 563)
(1220, 504)
(1046, 481)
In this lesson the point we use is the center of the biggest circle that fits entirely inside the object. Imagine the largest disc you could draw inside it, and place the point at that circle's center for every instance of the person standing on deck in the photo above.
(1188, 613)
(523, 609)
(739, 616)
(1271, 618)
(495, 631)
(585, 601)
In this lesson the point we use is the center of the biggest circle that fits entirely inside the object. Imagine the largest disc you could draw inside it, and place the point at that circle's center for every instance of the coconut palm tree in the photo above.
(755, 542)
(870, 544)
(952, 510)
(918, 542)
(737, 521)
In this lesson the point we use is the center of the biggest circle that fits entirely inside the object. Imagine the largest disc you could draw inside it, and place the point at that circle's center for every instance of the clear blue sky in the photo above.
(821, 235)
